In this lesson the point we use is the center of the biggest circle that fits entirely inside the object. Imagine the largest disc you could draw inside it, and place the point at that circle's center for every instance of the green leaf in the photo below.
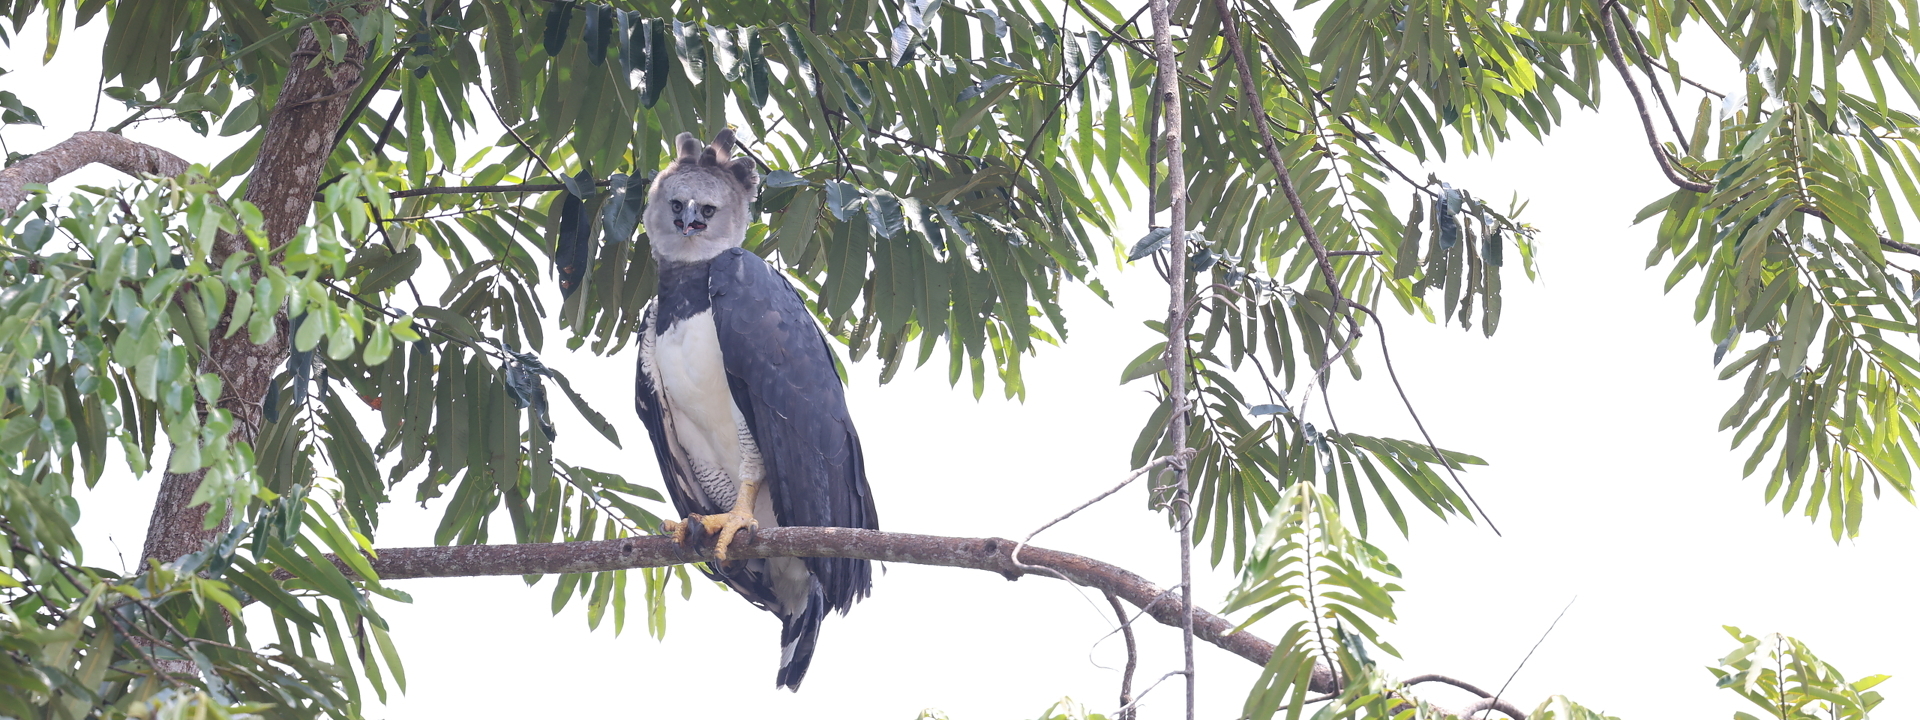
(559, 16)
(593, 417)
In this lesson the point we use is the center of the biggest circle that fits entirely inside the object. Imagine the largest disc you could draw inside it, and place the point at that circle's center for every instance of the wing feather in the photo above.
(777, 356)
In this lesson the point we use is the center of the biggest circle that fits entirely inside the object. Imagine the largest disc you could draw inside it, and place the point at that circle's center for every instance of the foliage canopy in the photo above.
(936, 172)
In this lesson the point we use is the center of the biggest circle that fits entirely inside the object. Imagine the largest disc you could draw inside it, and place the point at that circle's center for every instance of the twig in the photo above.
(904, 141)
(1646, 119)
(379, 143)
(1687, 80)
(1659, 93)
(393, 313)
(827, 115)
(1015, 555)
(497, 115)
(469, 189)
(525, 187)
(1366, 140)
(1127, 710)
(353, 116)
(1026, 157)
(456, 213)
(99, 91)
(1495, 704)
(1182, 456)
(1444, 462)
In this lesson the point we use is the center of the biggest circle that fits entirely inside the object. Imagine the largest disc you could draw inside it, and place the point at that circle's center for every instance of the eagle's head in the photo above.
(698, 206)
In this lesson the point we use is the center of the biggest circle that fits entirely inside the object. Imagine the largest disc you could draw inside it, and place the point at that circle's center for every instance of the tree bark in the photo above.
(990, 554)
(81, 150)
(1167, 87)
(293, 150)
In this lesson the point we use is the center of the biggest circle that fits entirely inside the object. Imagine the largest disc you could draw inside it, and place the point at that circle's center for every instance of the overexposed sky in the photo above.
(1595, 404)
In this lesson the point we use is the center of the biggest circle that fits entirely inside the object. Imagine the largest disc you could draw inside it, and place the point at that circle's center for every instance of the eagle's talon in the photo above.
(724, 528)
(727, 527)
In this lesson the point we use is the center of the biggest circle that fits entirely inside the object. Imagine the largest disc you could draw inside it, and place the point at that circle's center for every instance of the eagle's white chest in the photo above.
(712, 433)
(710, 437)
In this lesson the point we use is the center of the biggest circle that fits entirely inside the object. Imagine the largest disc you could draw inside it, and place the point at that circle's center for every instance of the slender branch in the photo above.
(81, 150)
(1424, 435)
(1649, 59)
(904, 141)
(353, 116)
(1462, 684)
(1230, 30)
(524, 145)
(1366, 140)
(379, 144)
(455, 213)
(1129, 709)
(1646, 119)
(1615, 53)
(473, 189)
(1485, 704)
(1133, 657)
(1179, 458)
(1523, 661)
(1168, 99)
(989, 554)
(1066, 94)
(1653, 83)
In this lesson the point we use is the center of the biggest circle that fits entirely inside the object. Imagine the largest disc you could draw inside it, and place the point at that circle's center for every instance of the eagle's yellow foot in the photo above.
(724, 528)
(677, 529)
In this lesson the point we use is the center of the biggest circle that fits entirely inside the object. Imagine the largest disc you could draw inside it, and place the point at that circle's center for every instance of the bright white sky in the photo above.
(1595, 404)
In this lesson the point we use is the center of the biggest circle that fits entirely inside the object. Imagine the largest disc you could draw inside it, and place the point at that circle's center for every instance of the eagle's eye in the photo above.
(678, 206)
(706, 211)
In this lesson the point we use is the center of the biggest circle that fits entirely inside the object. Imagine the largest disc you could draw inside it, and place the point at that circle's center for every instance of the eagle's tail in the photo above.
(798, 634)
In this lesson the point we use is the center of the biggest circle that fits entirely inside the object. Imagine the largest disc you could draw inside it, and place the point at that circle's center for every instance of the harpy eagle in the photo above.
(739, 390)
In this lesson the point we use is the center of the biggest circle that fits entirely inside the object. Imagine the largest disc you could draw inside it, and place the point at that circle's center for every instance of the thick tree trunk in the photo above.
(298, 137)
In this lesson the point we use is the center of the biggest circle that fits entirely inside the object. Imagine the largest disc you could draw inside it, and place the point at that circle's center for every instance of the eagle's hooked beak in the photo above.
(690, 220)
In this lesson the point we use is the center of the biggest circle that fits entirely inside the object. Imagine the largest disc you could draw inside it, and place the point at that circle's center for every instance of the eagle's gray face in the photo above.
(698, 206)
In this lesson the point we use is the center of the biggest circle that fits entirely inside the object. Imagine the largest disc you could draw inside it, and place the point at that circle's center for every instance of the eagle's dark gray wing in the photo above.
(784, 382)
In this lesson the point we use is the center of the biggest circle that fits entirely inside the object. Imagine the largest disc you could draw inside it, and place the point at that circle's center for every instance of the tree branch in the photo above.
(1484, 704)
(81, 150)
(1133, 656)
(1640, 102)
(1618, 56)
(1167, 91)
(989, 554)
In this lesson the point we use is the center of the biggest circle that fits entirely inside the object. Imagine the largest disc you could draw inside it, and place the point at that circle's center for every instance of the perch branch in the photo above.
(81, 150)
(989, 554)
